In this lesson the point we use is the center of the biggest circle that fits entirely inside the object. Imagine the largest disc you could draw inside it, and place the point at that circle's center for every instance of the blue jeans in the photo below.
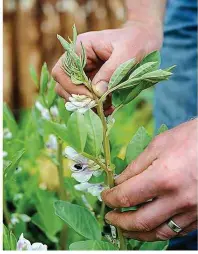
(176, 99)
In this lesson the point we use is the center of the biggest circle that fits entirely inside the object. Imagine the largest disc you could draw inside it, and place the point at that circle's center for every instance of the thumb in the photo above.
(102, 77)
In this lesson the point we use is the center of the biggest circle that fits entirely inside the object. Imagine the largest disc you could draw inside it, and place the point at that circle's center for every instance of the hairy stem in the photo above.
(107, 153)
(62, 193)
(109, 170)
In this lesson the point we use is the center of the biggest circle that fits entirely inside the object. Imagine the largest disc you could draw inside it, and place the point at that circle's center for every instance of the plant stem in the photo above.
(105, 137)
(107, 153)
(109, 170)
(122, 240)
(97, 161)
(101, 215)
(5, 209)
(62, 193)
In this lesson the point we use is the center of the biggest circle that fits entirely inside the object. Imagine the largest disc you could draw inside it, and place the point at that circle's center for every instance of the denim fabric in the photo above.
(176, 99)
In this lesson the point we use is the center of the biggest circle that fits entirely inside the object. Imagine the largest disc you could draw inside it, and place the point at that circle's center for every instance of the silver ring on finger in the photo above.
(172, 225)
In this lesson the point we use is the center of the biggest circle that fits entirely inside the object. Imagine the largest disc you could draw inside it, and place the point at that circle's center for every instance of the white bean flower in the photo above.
(82, 168)
(44, 111)
(16, 218)
(94, 189)
(80, 103)
(52, 142)
(54, 111)
(5, 154)
(7, 134)
(24, 244)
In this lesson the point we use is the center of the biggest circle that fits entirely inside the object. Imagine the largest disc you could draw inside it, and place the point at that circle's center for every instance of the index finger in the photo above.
(134, 191)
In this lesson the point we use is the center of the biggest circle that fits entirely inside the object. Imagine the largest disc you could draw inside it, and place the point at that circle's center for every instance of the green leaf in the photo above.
(51, 95)
(44, 78)
(9, 239)
(9, 120)
(170, 68)
(60, 130)
(162, 129)
(6, 238)
(77, 131)
(75, 80)
(45, 217)
(78, 218)
(135, 91)
(156, 76)
(134, 244)
(120, 165)
(9, 170)
(92, 245)
(144, 68)
(159, 245)
(13, 241)
(64, 43)
(131, 83)
(34, 75)
(83, 56)
(152, 57)
(121, 72)
(64, 114)
(94, 133)
(74, 35)
(137, 145)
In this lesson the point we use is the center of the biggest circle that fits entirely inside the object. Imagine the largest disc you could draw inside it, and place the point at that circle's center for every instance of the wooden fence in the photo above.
(29, 37)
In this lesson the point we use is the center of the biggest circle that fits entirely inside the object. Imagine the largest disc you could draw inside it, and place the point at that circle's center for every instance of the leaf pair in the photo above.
(84, 132)
(131, 78)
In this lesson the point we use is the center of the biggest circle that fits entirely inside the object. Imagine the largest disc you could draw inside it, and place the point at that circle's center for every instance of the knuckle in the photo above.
(163, 235)
(171, 180)
(122, 198)
(142, 225)
(154, 144)
(189, 200)
(55, 71)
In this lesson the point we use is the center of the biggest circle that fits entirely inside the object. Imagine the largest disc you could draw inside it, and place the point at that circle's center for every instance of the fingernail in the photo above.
(106, 219)
(100, 88)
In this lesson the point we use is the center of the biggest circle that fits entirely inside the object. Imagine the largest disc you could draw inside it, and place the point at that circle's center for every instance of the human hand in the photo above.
(106, 50)
(165, 172)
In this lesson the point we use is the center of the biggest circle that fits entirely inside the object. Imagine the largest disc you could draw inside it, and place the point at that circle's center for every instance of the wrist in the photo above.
(147, 12)
(155, 24)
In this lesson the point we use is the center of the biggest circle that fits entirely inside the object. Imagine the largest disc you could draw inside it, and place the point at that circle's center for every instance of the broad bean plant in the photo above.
(78, 139)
